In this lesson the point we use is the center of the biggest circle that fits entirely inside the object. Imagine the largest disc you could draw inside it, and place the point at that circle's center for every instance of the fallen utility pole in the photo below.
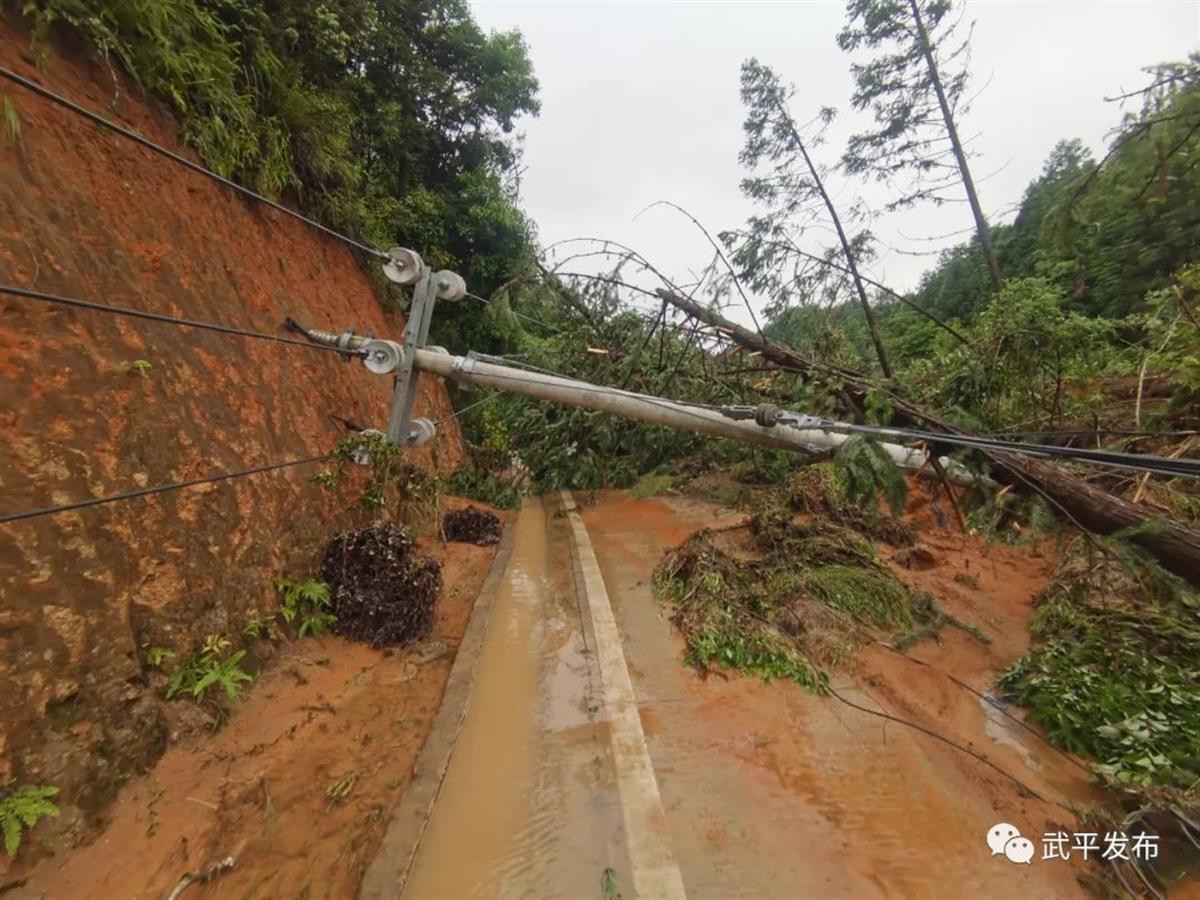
(1177, 547)
(658, 411)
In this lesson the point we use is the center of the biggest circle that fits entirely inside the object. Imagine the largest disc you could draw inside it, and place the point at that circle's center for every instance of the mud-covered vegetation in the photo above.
(1115, 674)
(783, 597)
(383, 593)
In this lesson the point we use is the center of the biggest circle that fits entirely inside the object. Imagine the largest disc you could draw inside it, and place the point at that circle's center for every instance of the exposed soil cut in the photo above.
(297, 787)
(383, 594)
(471, 526)
(93, 404)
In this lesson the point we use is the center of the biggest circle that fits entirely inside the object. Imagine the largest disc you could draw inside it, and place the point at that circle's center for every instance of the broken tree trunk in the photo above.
(1176, 547)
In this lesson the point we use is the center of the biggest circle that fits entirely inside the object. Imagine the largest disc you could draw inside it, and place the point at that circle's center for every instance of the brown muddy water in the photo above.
(527, 807)
(768, 791)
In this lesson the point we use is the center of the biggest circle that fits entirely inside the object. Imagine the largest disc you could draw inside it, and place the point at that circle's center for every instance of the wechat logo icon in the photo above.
(1005, 839)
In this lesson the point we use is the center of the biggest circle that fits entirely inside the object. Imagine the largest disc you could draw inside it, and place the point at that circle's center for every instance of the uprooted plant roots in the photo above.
(382, 593)
(782, 599)
(471, 526)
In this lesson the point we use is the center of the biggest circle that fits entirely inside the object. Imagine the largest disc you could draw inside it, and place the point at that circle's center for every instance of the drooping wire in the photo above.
(470, 406)
(1136, 462)
(97, 119)
(75, 302)
(160, 489)
(529, 319)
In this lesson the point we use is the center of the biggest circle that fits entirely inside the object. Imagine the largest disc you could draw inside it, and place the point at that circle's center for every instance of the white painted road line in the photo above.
(655, 873)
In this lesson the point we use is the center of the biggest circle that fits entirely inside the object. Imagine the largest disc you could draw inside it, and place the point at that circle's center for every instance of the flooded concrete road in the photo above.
(588, 746)
(528, 807)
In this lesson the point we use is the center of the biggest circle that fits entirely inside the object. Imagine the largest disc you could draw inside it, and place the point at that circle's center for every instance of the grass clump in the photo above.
(779, 599)
(476, 484)
(1116, 675)
(213, 666)
(305, 604)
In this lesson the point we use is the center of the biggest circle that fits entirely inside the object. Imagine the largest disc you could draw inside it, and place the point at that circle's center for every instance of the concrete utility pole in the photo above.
(658, 411)
(782, 431)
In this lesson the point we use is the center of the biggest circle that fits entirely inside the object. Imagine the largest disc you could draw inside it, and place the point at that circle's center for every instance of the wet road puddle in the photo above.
(525, 807)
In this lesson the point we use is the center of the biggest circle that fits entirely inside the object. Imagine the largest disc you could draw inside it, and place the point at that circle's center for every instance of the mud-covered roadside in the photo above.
(772, 789)
(297, 787)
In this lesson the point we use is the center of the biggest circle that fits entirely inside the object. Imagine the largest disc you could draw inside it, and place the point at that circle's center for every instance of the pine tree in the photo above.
(797, 204)
(914, 85)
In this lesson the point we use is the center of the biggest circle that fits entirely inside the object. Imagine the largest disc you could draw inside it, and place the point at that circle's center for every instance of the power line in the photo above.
(98, 119)
(530, 319)
(467, 408)
(160, 489)
(60, 300)
(1136, 462)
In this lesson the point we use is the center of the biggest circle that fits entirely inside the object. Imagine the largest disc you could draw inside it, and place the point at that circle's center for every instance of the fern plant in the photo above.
(307, 602)
(21, 808)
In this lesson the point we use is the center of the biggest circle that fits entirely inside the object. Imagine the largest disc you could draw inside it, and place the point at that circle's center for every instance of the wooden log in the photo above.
(1175, 546)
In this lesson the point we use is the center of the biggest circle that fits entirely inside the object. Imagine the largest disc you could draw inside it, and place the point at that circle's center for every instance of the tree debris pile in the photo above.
(471, 526)
(815, 490)
(782, 599)
(1116, 675)
(383, 594)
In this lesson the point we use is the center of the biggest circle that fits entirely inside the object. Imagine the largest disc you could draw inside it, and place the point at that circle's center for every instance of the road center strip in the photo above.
(655, 873)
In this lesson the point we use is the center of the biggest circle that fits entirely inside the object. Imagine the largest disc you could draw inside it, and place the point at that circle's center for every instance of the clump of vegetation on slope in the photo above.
(1116, 673)
(782, 599)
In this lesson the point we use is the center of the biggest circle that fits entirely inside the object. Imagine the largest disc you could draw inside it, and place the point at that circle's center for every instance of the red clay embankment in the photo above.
(89, 214)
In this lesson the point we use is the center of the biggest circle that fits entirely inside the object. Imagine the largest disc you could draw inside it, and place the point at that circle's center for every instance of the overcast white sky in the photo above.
(640, 103)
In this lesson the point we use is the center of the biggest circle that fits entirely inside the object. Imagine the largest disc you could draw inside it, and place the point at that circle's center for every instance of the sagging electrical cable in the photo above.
(159, 489)
(1138, 462)
(97, 119)
(935, 441)
(75, 302)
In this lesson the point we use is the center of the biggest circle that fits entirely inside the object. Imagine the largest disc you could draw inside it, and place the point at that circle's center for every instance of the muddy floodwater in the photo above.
(526, 806)
(768, 791)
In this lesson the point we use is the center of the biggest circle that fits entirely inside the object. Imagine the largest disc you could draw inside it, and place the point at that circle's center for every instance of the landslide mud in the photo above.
(92, 404)
(299, 785)
(773, 791)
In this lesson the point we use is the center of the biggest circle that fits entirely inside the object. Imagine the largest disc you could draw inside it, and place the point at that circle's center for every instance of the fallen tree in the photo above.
(1175, 546)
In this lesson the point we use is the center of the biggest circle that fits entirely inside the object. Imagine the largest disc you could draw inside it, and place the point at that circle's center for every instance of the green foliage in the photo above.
(865, 470)
(899, 85)
(1115, 674)
(156, 656)
(652, 485)
(388, 119)
(485, 487)
(608, 885)
(1026, 349)
(390, 472)
(256, 627)
(790, 598)
(307, 602)
(141, 366)
(22, 807)
(213, 666)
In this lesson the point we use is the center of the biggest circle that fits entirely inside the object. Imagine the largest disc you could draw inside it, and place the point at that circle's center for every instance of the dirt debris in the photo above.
(383, 594)
(784, 599)
(471, 526)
